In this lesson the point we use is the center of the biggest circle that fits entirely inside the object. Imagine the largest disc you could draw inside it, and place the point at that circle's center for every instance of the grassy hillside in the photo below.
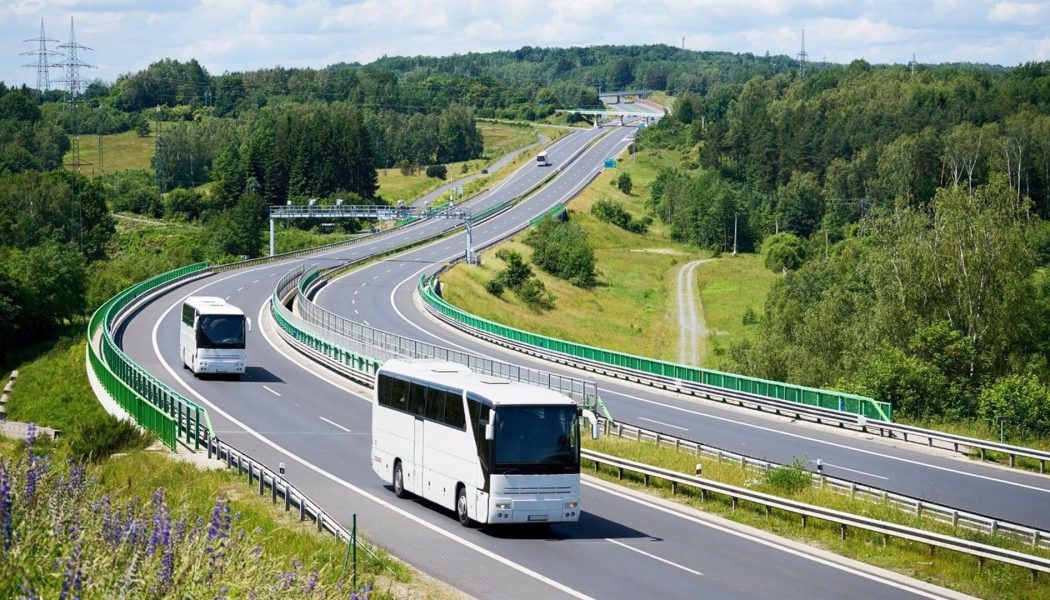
(120, 151)
(632, 307)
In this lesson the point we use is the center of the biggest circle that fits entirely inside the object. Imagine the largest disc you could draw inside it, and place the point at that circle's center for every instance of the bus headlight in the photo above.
(571, 504)
(503, 506)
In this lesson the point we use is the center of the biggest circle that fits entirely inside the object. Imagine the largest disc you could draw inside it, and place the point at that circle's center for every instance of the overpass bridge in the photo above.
(597, 115)
(620, 95)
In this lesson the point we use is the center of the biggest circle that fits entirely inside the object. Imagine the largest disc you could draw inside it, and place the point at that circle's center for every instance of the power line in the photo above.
(43, 68)
(72, 65)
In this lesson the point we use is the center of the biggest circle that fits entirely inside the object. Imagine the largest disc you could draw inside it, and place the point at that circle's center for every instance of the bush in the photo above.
(789, 479)
(561, 249)
(185, 204)
(1021, 399)
(750, 316)
(437, 171)
(916, 389)
(535, 295)
(613, 212)
(624, 183)
(494, 287)
(97, 439)
(783, 252)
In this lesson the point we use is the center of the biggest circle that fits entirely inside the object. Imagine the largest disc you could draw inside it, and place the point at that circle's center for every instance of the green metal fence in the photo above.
(150, 402)
(771, 389)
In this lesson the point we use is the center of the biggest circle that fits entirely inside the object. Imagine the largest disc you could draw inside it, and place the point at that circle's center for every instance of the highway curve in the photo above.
(289, 410)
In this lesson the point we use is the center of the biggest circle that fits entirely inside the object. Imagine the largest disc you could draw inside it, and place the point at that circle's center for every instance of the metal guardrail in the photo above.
(826, 416)
(262, 476)
(844, 520)
(621, 363)
(921, 508)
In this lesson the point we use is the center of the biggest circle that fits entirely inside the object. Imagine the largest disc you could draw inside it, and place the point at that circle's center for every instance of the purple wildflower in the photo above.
(6, 518)
(71, 583)
(30, 436)
(312, 582)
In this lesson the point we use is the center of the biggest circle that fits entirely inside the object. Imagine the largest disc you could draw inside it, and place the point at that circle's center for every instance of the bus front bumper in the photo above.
(220, 365)
(534, 511)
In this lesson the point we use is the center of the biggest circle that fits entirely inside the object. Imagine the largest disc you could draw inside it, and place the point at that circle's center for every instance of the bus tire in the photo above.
(461, 507)
(399, 481)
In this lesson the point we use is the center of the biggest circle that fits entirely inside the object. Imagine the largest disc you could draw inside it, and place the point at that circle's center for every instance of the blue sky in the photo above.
(233, 35)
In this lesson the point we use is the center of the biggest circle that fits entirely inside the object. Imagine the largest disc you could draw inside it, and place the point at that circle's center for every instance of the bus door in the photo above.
(418, 457)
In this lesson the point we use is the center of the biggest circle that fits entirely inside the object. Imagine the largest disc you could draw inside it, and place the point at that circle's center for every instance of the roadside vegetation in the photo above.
(944, 568)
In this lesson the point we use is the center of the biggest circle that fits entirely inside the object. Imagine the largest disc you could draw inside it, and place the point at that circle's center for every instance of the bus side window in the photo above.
(436, 405)
(477, 412)
(417, 399)
(454, 416)
(187, 314)
(392, 392)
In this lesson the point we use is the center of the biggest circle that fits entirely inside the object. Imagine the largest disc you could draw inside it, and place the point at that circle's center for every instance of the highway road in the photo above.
(290, 410)
(383, 295)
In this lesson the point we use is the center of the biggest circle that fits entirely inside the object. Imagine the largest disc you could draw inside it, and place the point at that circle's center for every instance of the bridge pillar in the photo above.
(271, 237)
(621, 120)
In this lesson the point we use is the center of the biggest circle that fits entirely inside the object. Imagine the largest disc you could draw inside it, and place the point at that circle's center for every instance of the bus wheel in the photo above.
(461, 507)
(399, 481)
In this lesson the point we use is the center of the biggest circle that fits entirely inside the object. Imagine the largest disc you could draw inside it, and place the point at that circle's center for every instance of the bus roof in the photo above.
(212, 305)
(501, 392)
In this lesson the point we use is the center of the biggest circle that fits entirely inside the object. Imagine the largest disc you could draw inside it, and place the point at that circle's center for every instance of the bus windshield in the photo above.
(536, 439)
(220, 331)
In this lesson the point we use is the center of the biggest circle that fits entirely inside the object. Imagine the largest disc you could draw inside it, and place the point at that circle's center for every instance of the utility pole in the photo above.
(101, 169)
(72, 65)
(735, 216)
(683, 41)
(803, 57)
(43, 68)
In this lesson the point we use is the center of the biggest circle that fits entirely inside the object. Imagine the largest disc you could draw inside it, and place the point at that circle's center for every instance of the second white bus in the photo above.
(491, 450)
(212, 336)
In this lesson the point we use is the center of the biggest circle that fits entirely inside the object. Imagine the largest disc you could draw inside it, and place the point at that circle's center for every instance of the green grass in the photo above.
(662, 98)
(52, 388)
(632, 307)
(501, 139)
(121, 151)
(728, 287)
(944, 568)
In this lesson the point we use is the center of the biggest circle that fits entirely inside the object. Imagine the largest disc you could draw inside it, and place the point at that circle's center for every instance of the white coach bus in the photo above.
(492, 450)
(212, 335)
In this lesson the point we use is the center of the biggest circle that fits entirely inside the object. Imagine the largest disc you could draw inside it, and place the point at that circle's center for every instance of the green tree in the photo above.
(561, 249)
(239, 231)
(783, 252)
(624, 183)
(1021, 399)
(800, 204)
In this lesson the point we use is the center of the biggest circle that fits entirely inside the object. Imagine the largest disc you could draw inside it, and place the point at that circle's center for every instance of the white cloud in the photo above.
(1018, 13)
(224, 35)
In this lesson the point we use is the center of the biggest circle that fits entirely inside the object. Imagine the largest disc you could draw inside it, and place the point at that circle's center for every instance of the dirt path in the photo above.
(691, 327)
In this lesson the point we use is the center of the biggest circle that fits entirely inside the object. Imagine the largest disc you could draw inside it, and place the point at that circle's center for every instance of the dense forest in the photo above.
(906, 206)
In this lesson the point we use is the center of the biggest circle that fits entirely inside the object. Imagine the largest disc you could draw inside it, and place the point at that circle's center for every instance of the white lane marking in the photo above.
(256, 281)
(226, 298)
(662, 423)
(840, 446)
(271, 390)
(354, 301)
(374, 277)
(355, 292)
(654, 557)
(400, 511)
(759, 540)
(272, 274)
(334, 424)
(364, 284)
(850, 470)
(355, 312)
(367, 323)
(240, 288)
(388, 270)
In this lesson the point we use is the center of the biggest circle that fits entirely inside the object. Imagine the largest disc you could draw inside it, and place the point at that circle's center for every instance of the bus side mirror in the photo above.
(596, 428)
(249, 321)
(490, 432)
